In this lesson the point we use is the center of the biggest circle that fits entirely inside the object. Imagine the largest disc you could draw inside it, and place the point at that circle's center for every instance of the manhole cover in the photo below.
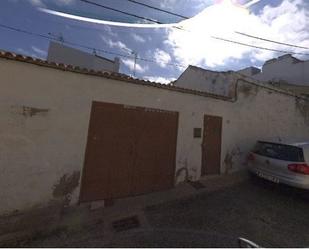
(126, 224)
(197, 185)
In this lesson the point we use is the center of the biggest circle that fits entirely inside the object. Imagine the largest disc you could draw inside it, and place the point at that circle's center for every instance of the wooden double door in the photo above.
(130, 151)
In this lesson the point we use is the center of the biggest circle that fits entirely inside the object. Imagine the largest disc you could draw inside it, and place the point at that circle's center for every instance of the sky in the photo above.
(164, 53)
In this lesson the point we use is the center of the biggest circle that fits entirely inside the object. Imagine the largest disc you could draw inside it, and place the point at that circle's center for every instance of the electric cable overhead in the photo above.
(158, 9)
(83, 46)
(138, 58)
(258, 47)
(272, 41)
(122, 12)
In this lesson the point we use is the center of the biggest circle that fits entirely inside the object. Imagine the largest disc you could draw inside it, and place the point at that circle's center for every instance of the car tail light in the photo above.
(301, 168)
(250, 157)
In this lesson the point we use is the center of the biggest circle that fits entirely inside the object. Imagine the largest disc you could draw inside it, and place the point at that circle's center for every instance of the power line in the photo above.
(159, 9)
(128, 56)
(258, 47)
(83, 46)
(272, 41)
(122, 12)
(55, 39)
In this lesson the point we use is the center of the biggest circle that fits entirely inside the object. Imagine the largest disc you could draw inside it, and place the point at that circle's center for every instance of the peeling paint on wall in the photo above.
(248, 90)
(28, 111)
(179, 174)
(229, 159)
(303, 108)
(65, 187)
(32, 111)
(228, 162)
(182, 174)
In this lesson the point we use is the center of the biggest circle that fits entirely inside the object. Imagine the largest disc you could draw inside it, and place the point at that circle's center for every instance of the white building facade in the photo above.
(60, 53)
(284, 69)
(48, 115)
(221, 83)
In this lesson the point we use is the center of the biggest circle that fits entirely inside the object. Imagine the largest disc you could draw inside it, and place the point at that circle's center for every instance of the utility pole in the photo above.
(135, 59)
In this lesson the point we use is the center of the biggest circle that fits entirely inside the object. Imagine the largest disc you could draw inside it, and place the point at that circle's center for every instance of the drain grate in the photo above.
(126, 224)
(197, 185)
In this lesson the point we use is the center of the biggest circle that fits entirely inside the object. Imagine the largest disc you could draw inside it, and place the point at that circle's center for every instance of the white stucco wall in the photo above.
(37, 150)
(70, 56)
(284, 68)
(207, 81)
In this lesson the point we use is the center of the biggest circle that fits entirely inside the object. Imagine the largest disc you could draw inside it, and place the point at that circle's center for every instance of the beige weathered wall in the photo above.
(44, 116)
(208, 81)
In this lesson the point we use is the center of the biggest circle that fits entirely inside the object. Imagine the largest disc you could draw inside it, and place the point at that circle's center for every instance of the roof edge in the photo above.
(105, 74)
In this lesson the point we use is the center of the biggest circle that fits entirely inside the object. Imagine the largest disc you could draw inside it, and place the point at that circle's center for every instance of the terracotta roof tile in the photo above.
(105, 74)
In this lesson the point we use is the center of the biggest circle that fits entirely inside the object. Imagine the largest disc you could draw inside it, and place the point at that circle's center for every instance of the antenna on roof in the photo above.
(58, 37)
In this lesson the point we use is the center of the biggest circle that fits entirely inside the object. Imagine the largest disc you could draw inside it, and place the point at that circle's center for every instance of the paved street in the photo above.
(269, 215)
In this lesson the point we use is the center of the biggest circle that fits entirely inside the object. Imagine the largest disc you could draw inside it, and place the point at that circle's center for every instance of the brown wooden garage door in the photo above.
(130, 151)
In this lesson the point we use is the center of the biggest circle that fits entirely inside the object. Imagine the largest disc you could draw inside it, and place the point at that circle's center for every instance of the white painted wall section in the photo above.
(70, 56)
(285, 68)
(207, 81)
(44, 117)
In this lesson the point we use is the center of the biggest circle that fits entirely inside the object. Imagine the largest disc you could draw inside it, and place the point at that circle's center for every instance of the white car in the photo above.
(281, 163)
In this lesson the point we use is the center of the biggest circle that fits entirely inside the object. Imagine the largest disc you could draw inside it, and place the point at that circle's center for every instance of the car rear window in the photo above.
(279, 151)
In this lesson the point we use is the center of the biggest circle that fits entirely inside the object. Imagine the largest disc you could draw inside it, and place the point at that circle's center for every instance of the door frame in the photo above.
(100, 103)
(204, 148)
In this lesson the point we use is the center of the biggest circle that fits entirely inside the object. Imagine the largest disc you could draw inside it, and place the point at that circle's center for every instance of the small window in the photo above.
(197, 132)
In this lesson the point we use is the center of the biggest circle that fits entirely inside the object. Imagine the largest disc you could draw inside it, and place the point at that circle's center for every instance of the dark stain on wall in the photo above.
(65, 187)
(179, 172)
(228, 162)
(32, 111)
(229, 159)
(303, 108)
(248, 90)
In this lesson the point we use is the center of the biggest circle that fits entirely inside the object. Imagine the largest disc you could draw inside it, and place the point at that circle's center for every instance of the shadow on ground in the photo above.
(268, 214)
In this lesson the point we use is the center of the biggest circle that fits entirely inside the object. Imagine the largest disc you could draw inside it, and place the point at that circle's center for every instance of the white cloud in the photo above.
(287, 22)
(27, 53)
(159, 79)
(109, 30)
(162, 58)
(115, 44)
(38, 3)
(64, 2)
(130, 64)
(168, 4)
(138, 38)
(39, 51)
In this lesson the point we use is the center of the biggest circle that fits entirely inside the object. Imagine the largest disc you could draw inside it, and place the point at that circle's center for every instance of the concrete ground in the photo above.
(213, 214)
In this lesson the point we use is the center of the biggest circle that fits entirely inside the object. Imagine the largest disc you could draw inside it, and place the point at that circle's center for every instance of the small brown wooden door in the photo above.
(211, 146)
(130, 151)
